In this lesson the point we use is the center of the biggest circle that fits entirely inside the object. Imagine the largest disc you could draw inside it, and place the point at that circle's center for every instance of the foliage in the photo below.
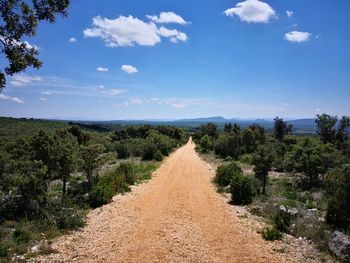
(225, 172)
(21, 18)
(206, 143)
(122, 150)
(282, 222)
(338, 190)
(210, 129)
(271, 234)
(91, 160)
(262, 161)
(281, 128)
(242, 189)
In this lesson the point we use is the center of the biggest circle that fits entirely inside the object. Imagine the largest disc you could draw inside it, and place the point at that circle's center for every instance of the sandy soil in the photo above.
(175, 217)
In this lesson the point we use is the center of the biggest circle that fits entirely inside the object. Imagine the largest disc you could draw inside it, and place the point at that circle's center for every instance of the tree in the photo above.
(325, 127)
(65, 154)
(342, 134)
(281, 128)
(20, 18)
(91, 160)
(262, 161)
(211, 129)
(206, 143)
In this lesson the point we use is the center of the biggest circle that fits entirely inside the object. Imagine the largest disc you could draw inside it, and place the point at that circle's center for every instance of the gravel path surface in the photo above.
(175, 217)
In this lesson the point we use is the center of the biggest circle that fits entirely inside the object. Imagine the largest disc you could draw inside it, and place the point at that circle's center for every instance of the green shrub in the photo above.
(246, 158)
(21, 236)
(206, 144)
(70, 219)
(242, 189)
(271, 234)
(128, 171)
(158, 156)
(225, 172)
(100, 196)
(122, 151)
(149, 151)
(3, 249)
(282, 222)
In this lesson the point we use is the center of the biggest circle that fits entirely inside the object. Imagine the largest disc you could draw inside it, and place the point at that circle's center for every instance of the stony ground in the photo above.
(176, 217)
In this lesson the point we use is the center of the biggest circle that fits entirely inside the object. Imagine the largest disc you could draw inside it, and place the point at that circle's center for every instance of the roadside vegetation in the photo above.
(299, 183)
(51, 176)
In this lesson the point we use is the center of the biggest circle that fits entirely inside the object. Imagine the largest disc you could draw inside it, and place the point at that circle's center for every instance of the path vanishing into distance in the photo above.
(175, 217)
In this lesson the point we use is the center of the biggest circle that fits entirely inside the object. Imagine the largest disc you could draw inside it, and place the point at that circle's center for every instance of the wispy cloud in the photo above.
(130, 31)
(24, 80)
(252, 11)
(102, 69)
(289, 13)
(13, 99)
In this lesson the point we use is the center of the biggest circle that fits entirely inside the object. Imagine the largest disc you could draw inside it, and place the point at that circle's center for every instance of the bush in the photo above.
(122, 151)
(271, 234)
(282, 222)
(21, 236)
(128, 171)
(225, 172)
(100, 196)
(3, 250)
(242, 189)
(246, 158)
(70, 219)
(206, 144)
(158, 156)
(149, 151)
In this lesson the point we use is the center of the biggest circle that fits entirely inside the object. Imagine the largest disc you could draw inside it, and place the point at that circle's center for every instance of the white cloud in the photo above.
(72, 40)
(18, 43)
(252, 11)
(129, 69)
(128, 31)
(24, 80)
(167, 17)
(297, 36)
(174, 34)
(289, 13)
(13, 99)
(42, 99)
(102, 69)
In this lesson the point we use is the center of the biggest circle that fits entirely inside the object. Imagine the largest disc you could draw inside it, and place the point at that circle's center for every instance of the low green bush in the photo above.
(246, 158)
(149, 151)
(70, 219)
(122, 150)
(21, 236)
(282, 221)
(128, 171)
(158, 156)
(225, 172)
(3, 250)
(271, 234)
(242, 189)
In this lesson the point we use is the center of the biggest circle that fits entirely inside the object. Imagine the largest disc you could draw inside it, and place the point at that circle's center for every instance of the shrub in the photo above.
(122, 151)
(70, 219)
(149, 151)
(100, 196)
(246, 158)
(271, 234)
(128, 171)
(3, 250)
(206, 143)
(158, 156)
(282, 222)
(225, 172)
(21, 236)
(242, 189)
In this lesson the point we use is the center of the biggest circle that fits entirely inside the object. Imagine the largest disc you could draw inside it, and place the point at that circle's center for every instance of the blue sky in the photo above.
(170, 59)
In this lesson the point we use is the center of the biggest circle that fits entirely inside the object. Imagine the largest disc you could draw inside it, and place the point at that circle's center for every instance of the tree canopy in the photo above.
(20, 18)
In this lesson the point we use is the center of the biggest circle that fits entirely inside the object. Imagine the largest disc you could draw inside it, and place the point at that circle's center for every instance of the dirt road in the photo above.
(176, 217)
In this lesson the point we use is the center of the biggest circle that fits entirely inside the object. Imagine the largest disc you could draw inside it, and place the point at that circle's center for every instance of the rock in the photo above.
(34, 249)
(283, 208)
(339, 245)
(293, 211)
(311, 212)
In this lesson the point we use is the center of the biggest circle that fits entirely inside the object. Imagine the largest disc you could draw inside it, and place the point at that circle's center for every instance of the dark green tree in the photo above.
(281, 128)
(20, 18)
(342, 133)
(211, 129)
(91, 160)
(325, 127)
(262, 160)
